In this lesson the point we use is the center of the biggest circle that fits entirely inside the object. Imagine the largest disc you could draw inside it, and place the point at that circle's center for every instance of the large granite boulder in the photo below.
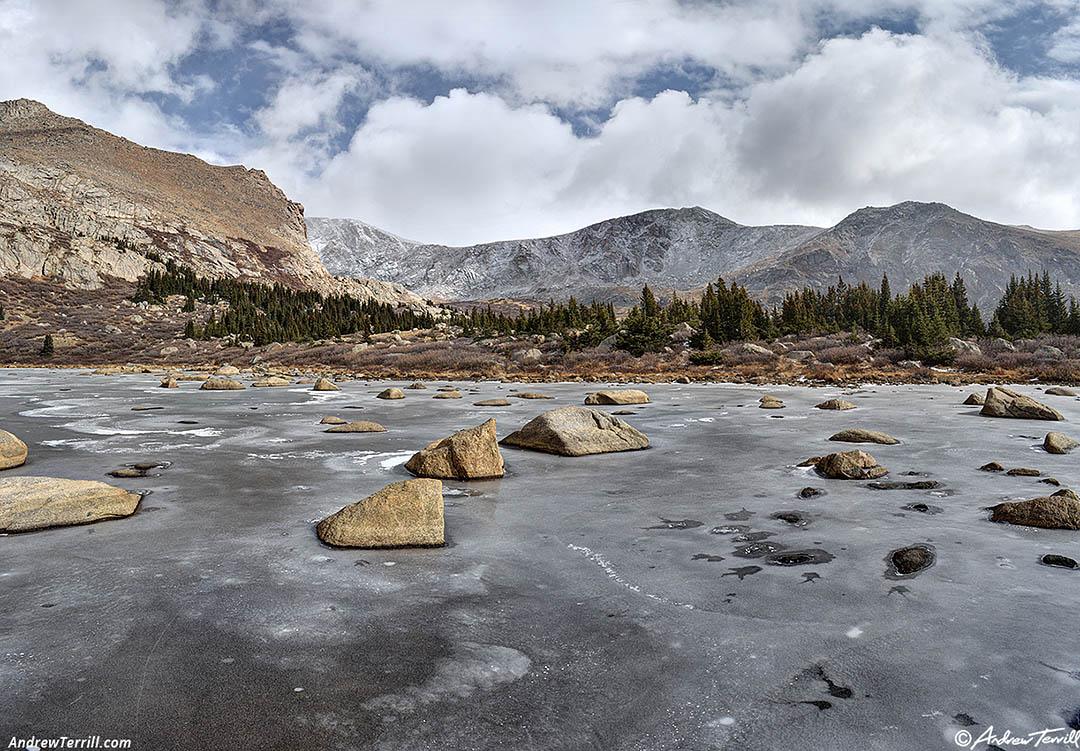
(1003, 402)
(1055, 512)
(221, 384)
(849, 465)
(618, 396)
(1058, 443)
(325, 384)
(29, 503)
(469, 454)
(577, 431)
(858, 435)
(12, 450)
(407, 513)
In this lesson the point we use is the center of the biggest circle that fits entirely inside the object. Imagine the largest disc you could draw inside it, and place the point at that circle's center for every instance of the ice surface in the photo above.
(579, 602)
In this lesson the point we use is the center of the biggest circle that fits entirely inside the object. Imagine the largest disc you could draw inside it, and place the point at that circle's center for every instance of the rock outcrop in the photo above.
(849, 465)
(360, 426)
(407, 513)
(1003, 402)
(1054, 512)
(13, 451)
(221, 384)
(325, 384)
(81, 205)
(618, 396)
(29, 503)
(577, 431)
(858, 435)
(1058, 443)
(835, 404)
(469, 454)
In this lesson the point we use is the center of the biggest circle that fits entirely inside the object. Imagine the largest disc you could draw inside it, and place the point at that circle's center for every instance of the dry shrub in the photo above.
(849, 355)
(736, 358)
(973, 363)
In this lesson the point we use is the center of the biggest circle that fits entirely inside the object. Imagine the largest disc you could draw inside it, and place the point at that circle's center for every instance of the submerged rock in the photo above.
(850, 465)
(416, 386)
(857, 435)
(407, 513)
(531, 395)
(992, 467)
(1059, 561)
(1055, 512)
(29, 503)
(909, 485)
(577, 431)
(618, 396)
(835, 404)
(360, 426)
(909, 561)
(332, 420)
(492, 403)
(469, 454)
(325, 384)
(1023, 472)
(391, 393)
(221, 384)
(448, 395)
(13, 451)
(1058, 443)
(1003, 402)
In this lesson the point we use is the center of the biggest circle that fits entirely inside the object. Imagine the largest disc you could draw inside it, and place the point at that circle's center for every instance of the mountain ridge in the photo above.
(684, 249)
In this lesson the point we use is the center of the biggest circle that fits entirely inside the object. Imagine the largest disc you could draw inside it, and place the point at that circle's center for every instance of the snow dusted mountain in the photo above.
(683, 249)
(909, 240)
(667, 248)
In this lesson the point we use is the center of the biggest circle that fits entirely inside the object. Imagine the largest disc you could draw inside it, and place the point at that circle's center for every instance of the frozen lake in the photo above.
(595, 602)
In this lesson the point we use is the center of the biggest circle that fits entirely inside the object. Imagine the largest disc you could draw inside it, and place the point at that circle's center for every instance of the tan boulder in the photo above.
(221, 384)
(858, 435)
(360, 426)
(531, 395)
(1055, 512)
(835, 404)
(325, 384)
(1060, 391)
(169, 383)
(577, 431)
(13, 451)
(770, 402)
(29, 503)
(618, 396)
(391, 393)
(850, 465)
(975, 399)
(448, 395)
(227, 370)
(407, 513)
(469, 454)
(492, 403)
(272, 381)
(416, 385)
(1003, 402)
(332, 420)
(1058, 443)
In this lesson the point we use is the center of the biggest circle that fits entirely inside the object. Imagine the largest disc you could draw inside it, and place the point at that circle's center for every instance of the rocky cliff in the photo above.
(79, 205)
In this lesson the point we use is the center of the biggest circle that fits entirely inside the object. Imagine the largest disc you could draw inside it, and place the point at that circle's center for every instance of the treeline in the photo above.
(264, 313)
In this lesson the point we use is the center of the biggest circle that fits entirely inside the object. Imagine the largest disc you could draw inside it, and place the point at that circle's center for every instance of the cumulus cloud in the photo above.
(484, 120)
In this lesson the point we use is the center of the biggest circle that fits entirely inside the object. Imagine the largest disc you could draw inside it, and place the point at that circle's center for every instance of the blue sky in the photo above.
(480, 120)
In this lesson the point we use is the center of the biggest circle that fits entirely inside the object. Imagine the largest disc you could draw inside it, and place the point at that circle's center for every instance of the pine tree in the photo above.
(47, 346)
(189, 329)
